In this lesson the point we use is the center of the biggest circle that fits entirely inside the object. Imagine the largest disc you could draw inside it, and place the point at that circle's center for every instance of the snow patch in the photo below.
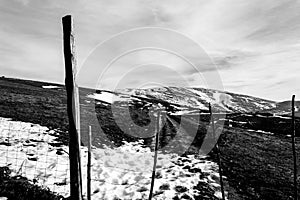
(202, 95)
(261, 106)
(105, 97)
(261, 131)
(49, 86)
(25, 148)
(222, 98)
(123, 172)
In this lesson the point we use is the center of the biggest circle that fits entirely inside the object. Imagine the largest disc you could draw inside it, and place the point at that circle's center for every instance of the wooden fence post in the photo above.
(89, 164)
(157, 130)
(218, 152)
(294, 148)
(72, 108)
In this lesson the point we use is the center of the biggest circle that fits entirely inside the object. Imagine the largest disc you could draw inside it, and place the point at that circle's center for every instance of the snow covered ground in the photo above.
(32, 151)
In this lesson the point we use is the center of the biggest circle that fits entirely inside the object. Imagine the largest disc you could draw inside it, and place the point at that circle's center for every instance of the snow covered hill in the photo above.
(188, 100)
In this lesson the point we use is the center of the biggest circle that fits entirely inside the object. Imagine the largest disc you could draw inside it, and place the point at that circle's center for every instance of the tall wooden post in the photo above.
(218, 153)
(294, 149)
(72, 108)
(89, 164)
(157, 130)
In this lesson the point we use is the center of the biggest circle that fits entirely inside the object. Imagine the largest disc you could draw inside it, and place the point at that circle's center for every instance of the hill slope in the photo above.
(190, 98)
(255, 145)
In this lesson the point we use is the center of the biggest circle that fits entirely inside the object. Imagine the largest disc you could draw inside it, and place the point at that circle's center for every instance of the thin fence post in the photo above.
(294, 148)
(157, 129)
(72, 108)
(89, 164)
(218, 152)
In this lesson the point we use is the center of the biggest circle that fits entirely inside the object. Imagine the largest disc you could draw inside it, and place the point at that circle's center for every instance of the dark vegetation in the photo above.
(20, 188)
(257, 165)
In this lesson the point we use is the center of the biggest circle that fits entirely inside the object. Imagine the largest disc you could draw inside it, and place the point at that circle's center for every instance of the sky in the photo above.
(252, 47)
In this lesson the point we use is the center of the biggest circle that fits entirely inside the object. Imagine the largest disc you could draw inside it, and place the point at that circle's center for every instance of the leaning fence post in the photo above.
(72, 108)
(89, 164)
(157, 129)
(218, 152)
(294, 148)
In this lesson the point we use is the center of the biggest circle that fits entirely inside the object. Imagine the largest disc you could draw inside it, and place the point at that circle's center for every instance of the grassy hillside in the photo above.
(27, 101)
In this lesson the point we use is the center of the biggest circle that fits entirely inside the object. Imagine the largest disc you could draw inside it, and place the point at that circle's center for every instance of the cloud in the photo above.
(23, 2)
(254, 43)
